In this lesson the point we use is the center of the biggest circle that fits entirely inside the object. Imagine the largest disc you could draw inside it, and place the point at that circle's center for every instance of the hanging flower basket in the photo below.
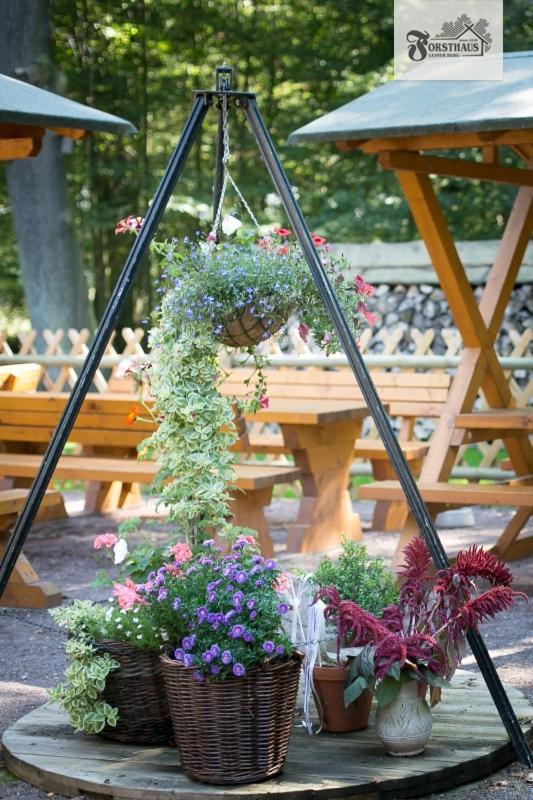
(237, 730)
(248, 329)
(138, 691)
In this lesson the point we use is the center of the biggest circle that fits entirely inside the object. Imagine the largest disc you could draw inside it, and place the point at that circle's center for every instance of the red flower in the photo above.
(264, 244)
(303, 330)
(132, 415)
(318, 240)
(264, 402)
(283, 250)
(129, 225)
(370, 317)
(283, 232)
(362, 287)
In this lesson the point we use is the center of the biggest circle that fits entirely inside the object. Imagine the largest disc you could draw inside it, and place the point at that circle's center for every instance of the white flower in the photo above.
(230, 225)
(139, 637)
(164, 636)
(120, 550)
(119, 627)
(123, 611)
(124, 367)
(108, 614)
(136, 619)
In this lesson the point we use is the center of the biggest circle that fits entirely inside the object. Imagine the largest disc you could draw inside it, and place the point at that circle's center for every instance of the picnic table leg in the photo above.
(105, 497)
(391, 515)
(248, 512)
(25, 589)
(324, 454)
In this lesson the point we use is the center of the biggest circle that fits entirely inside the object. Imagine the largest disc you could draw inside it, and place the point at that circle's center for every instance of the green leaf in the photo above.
(354, 690)
(387, 691)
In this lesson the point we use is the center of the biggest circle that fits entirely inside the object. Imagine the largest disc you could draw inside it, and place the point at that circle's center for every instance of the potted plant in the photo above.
(233, 293)
(232, 679)
(366, 581)
(417, 642)
(113, 684)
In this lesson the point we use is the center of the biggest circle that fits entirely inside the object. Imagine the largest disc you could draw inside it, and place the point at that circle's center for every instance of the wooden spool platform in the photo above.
(468, 742)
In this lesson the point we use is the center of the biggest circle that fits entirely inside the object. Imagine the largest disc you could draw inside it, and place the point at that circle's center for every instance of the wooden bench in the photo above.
(441, 495)
(408, 396)
(25, 589)
(109, 458)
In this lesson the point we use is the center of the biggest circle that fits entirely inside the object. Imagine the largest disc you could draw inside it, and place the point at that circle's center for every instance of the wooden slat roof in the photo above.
(409, 108)
(24, 104)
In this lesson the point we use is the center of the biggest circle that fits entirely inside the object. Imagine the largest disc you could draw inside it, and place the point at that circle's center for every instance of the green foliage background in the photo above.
(141, 59)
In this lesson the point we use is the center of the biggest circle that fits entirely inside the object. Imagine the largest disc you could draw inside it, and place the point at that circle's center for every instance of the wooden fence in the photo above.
(61, 354)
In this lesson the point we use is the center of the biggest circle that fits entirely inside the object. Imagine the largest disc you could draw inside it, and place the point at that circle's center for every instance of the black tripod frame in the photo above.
(246, 102)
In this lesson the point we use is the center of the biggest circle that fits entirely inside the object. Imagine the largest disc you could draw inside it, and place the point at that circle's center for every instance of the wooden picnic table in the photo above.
(321, 436)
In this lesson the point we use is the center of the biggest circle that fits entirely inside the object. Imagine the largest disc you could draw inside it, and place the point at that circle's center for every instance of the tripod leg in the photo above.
(103, 333)
(416, 504)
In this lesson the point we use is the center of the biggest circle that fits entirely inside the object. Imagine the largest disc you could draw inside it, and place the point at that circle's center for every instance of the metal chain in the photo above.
(226, 154)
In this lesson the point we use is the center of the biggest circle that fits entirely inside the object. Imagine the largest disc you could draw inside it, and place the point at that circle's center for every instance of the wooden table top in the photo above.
(280, 410)
(286, 411)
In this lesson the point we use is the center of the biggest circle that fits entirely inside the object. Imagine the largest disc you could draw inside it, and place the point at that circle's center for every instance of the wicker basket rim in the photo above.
(266, 666)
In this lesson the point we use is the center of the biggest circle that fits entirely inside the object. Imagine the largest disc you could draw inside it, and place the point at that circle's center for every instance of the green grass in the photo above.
(6, 778)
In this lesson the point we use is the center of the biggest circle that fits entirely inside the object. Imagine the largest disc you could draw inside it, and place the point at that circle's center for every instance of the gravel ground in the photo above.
(31, 650)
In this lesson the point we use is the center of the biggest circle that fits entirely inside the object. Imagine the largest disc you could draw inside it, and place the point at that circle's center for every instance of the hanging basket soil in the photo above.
(248, 329)
(137, 689)
(237, 730)
(329, 685)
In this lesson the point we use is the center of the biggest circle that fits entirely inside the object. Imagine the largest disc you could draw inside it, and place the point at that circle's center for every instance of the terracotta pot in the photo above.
(404, 726)
(329, 683)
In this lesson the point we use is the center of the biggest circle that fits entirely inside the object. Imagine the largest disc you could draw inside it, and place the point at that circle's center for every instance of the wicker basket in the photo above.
(248, 330)
(138, 691)
(237, 730)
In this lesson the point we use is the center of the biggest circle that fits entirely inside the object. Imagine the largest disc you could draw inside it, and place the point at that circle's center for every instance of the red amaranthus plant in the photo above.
(422, 636)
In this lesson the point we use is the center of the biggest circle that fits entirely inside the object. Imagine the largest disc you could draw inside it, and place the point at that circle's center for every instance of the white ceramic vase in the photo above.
(404, 726)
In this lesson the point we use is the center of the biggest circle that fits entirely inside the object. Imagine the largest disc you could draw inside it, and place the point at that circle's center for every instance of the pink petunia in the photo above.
(282, 584)
(283, 250)
(317, 240)
(370, 317)
(130, 224)
(283, 232)
(127, 595)
(362, 287)
(181, 552)
(264, 402)
(105, 540)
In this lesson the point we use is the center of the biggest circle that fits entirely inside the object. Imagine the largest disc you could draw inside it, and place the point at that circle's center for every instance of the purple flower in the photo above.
(176, 603)
(226, 657)
(252, 614)
(179, 653)
(283, 608)
(159, 581)
(212, 597)
(236, 632)
(228, 616)
(238, 670)
(237, 599)
(188, 660)
(197, 675)
(248, 637)
(258, 559)
(250, 603)
(212, 618)
(259, 582)
(241, 576)
(207, 656)
(255, 569)
(215, 669)
(208, 542)
(280, 649)
(191, 571)
(162, 595)
(205, 561)
(270, 564)
(269, 646)
(212, 585)
(188, 642)
(215, 649)
(238, 609)
(202, 613)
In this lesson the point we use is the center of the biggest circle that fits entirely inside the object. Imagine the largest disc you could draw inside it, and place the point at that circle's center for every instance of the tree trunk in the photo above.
(50, 257)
